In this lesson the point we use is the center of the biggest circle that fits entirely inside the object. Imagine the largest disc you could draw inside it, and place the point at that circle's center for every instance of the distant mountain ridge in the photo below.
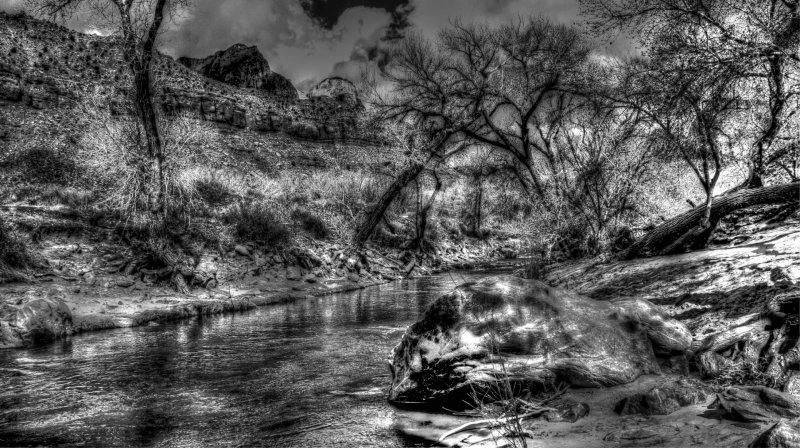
(47, 67)
(241, 66)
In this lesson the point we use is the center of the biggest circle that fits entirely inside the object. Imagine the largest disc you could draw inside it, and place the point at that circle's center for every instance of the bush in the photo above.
(255, 221)
(46, 165)
(311, 223)
(13, 253)
(212, 190)
(69, 196)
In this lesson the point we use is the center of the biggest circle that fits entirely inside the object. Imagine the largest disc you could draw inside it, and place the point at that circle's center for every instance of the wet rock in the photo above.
(784, 434)
(636, 437)
(567, 412)
(33, 321)
(507, 325)
(757, 404)
(293, 273)
(662, 400)
(124, 283)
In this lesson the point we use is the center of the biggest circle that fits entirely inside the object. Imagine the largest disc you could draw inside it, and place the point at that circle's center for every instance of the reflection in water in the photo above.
(306, 374)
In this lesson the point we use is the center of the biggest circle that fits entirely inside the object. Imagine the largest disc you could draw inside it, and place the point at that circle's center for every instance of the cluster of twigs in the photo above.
(504, 414)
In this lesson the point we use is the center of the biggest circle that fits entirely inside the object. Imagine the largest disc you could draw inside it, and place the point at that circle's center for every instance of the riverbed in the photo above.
(306, 374)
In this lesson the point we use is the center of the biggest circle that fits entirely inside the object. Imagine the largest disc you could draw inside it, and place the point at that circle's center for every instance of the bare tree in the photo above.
(497, 87)
(137, 23)
(695, 115)
(501, 87)
(602, 156)
(754, 40)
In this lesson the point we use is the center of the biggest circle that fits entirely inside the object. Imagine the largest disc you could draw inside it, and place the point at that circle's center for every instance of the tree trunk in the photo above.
(667, 233)
(376, 214)
(143, 99)
(422, 221)
(476, 210)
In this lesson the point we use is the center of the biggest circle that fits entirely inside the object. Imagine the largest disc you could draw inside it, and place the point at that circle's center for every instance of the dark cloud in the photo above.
(327, 12)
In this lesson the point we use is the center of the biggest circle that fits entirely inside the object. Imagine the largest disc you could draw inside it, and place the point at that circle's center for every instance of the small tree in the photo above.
(137, 23)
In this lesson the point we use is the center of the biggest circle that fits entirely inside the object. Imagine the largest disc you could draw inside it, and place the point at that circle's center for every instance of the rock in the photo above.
(667, 335)
(662, 400)
(34, 321)
(792, 386)
(636, 437)
(711, 364)
(293, 273)
(778, 274)
(757, 404)
(242, 66)
(310, 278)
(10, 83)
(353, 277)
(336, 88)
(242, 250)
(784, 434)
(567, 412)
(124, 283)
(484, 330)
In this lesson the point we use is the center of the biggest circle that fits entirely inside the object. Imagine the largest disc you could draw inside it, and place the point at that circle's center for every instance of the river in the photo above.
(306, 374)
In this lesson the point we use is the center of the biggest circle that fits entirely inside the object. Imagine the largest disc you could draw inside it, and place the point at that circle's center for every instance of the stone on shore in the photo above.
(33, 320)
(662, 400)
(757, 404)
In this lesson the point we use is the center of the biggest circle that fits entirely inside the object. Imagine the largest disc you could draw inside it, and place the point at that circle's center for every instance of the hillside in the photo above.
(47, 67)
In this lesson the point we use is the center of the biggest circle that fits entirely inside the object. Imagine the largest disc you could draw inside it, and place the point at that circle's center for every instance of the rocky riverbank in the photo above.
(95, 281)
(698, 349)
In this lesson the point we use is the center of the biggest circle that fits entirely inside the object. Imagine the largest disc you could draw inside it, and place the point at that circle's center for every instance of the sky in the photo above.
(309, 40)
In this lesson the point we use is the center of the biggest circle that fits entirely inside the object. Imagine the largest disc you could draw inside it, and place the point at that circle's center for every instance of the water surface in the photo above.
(307, 374)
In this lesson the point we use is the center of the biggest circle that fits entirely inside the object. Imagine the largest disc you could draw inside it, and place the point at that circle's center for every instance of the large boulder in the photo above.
(31, 321)
(508, 327)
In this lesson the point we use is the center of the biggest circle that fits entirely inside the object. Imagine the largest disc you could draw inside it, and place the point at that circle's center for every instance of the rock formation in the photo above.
(335, 88)
(242, 66)
(523, 330)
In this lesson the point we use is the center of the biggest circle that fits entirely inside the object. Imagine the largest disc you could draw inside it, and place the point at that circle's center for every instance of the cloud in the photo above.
(11, 5)
(293, 42)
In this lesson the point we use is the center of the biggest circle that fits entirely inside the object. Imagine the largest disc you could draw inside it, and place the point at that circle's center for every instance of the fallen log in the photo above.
(672, 230)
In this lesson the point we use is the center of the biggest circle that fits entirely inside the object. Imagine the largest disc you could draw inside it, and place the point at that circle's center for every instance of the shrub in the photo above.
(255, 221)
(311, 223)
(44, 165)
(69, 196)
(13, 254)
(213, 190)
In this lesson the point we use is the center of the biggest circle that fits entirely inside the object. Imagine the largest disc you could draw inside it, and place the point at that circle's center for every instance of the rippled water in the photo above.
(306, 374)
